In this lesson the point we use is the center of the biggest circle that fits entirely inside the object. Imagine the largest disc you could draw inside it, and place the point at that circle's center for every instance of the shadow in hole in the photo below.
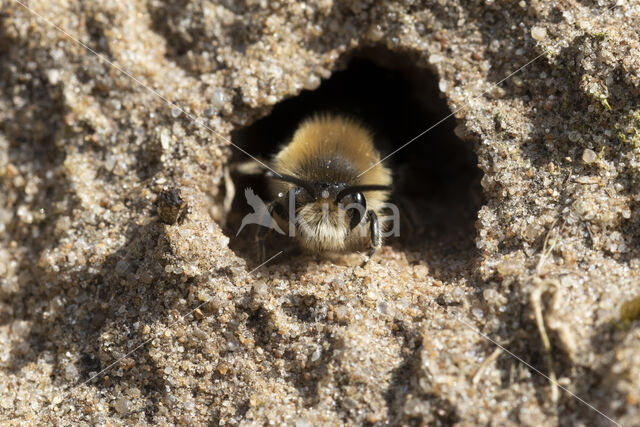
(436, 175)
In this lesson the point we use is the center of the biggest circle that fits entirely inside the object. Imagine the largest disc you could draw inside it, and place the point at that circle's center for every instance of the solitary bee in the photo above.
(329, 188)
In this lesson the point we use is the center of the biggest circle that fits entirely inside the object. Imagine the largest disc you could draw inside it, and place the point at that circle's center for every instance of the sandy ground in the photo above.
(541, 260)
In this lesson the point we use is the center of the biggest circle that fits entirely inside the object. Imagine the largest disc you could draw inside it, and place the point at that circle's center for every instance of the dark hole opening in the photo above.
(436, 179)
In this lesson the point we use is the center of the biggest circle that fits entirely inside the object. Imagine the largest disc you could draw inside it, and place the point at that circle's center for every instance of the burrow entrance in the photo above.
(436, 177)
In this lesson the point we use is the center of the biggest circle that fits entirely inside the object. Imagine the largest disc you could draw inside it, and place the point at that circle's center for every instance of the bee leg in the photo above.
(374, 230)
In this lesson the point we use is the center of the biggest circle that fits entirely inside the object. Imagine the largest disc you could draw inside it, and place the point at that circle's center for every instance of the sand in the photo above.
(96, 261)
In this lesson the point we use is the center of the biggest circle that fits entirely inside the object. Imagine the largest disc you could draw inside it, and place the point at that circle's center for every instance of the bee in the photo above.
(328, 188)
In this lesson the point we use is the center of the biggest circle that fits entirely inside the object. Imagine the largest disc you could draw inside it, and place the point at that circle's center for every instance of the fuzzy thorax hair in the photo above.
(332, 149)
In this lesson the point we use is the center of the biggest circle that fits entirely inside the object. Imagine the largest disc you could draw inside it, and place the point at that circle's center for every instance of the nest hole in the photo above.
(436, 178)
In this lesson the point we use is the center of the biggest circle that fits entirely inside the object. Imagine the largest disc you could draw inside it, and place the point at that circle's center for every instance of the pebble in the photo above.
(589, 156)
(538, 33)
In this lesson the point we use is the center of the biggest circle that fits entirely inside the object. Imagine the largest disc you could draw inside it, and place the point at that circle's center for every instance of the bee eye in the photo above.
(357, 209)
(355, 218)
(359, 199)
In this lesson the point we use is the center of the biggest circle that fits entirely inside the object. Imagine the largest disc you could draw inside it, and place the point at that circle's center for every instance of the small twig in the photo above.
(546, 250)
(593, 240)
(483, 366)
(536, 303)
(230, 192)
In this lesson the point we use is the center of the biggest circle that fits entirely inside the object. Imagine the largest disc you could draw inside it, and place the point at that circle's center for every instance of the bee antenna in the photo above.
(293, 180)
(361, 188)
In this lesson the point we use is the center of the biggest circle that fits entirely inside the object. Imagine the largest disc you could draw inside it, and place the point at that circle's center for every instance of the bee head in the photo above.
(348, 198)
